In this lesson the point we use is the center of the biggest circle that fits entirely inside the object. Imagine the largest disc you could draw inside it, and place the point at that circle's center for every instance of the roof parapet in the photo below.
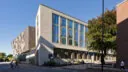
(121, 3)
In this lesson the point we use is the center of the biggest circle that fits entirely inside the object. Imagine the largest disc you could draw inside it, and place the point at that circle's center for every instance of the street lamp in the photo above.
(102, 55)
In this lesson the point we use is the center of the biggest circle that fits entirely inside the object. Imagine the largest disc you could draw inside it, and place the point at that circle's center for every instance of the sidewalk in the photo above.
(110, 69)
(89, 68)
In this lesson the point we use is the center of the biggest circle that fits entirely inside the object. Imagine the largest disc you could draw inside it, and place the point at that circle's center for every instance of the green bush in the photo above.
(50, 63)
(1, 60)
(21, 57)
(32, 61)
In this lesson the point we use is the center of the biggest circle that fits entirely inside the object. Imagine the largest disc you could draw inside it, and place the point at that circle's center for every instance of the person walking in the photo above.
(11, 64)
(122, 65)
(16, 64)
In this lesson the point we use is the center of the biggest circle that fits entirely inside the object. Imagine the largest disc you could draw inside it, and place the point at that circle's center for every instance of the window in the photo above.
(63, 30)
(76, 34)
(70, 24)
(55, 28)
(82, 42)
(63, 21)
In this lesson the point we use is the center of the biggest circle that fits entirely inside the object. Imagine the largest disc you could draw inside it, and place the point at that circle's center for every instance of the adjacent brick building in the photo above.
(122, 34)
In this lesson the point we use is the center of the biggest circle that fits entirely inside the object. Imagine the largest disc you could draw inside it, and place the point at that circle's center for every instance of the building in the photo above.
(24, 42)
(62, 36)
(122, 36)
(59, 36)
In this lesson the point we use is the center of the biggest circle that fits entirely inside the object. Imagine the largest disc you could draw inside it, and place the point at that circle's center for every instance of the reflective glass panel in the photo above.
(63, 32)
(63, 40)
(63, 21)
(70, 23)
(76, 34)
(55, 28)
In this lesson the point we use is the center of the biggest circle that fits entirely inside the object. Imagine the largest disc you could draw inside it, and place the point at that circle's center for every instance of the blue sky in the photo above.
(16, 15)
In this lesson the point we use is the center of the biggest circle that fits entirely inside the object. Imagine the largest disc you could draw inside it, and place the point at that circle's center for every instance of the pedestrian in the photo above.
(122, 65)
(11, 64)
(16, 63)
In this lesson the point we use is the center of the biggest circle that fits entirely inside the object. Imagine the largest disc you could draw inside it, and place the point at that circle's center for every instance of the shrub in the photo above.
(82, 62)
(32, 61)
(1, 60)
(21, 57)
(50, 63)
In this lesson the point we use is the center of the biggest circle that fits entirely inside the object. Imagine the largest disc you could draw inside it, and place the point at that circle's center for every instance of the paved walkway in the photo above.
(4, 67)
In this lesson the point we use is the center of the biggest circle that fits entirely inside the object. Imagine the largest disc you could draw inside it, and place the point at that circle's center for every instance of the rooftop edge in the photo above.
(64, 13)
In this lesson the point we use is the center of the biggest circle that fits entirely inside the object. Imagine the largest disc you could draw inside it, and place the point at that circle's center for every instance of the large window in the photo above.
(63, 30)
(82, 42)
(76, 34)
(70, 24)
(86, 30)
(55, 28)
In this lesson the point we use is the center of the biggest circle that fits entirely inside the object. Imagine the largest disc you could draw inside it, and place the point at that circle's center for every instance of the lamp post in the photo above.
(102, 55)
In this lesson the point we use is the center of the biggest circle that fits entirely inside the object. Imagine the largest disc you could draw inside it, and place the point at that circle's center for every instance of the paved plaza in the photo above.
(4, 67)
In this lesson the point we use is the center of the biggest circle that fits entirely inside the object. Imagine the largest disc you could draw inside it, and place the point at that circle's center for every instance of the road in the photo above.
(4, 67)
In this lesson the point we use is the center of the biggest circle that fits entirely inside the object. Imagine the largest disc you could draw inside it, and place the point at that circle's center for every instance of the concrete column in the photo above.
(37, 28)
(78, 55)
(96, 57)
(59, 33)
(99, 58)
(83, 56)
(92, 58)
(87, 56)
(72, 56)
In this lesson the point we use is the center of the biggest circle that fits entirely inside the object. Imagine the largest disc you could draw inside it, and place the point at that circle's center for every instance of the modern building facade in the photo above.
(24, 42)
(122, 36)
(62, 36)
(56, 35)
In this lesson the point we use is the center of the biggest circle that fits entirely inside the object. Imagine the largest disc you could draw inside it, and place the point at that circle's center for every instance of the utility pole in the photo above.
(102, 55)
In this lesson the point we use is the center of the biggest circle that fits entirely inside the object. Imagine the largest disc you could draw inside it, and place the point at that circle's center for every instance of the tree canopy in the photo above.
(2, 55)
(10, 55)
(94, 33)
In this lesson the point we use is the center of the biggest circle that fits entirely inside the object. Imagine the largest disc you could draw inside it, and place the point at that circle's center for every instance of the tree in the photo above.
(10, 57)
(2, 56)
(94, 34)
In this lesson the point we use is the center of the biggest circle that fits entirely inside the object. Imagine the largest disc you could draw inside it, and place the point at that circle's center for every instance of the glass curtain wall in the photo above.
(70, 24)
(63, 30)
(55, 21)
(82, 42)
(76, 34)
(55, 31)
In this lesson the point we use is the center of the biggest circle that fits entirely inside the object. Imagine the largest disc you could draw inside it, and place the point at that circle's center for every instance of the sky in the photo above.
(16, 15)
